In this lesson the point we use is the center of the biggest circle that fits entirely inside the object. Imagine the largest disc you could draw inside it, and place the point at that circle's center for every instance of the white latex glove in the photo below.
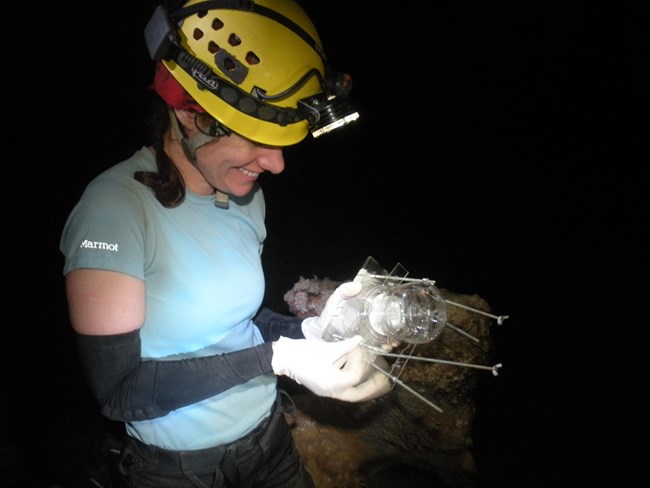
(329, 369)
(313, 327)
(373, 384)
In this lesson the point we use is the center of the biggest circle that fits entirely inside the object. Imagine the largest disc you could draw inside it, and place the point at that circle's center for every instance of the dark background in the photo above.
(498, 152)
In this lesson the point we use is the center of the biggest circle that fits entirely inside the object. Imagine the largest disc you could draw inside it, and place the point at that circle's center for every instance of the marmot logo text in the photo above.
(99, 245)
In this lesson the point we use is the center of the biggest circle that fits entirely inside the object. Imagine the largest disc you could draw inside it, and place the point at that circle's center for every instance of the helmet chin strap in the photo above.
(190, 145)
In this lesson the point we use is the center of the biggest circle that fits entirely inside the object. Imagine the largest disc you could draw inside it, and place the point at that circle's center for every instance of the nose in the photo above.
(272, 160)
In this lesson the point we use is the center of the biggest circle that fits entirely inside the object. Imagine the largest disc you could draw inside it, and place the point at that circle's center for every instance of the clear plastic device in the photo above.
(388, 310)
(392, 310)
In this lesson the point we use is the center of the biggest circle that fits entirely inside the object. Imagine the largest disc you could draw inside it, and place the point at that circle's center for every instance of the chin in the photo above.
(242, 191)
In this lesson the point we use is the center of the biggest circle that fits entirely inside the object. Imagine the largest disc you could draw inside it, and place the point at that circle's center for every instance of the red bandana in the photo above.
(171, 91)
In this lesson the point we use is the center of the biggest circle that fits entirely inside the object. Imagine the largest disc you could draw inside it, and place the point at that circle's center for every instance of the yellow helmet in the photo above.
(257, 67)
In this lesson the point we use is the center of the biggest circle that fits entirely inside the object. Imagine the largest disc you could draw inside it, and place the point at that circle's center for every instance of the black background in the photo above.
(498, 152)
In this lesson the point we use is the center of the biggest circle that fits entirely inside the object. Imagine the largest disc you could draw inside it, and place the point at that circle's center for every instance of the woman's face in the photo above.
(232, 163)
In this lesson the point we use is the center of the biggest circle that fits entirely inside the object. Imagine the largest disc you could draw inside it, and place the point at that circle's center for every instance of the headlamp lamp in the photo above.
(325, 111)
(333, 112)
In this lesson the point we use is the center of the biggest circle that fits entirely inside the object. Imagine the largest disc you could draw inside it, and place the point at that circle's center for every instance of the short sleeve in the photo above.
(106, 229)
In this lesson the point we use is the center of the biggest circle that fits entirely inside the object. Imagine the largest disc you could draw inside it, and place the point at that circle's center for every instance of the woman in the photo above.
(162, 257)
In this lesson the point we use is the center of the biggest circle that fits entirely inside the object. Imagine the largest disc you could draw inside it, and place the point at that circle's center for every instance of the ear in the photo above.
(186, 119)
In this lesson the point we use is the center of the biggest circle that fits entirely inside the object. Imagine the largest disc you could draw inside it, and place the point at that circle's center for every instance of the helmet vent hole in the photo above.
(217, 24)
(197, 34)
(229, 64)
(213, 47)
(251, 58)
(234, 40)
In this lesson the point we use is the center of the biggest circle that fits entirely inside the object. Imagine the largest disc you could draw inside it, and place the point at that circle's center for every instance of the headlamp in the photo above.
(325, 111)
(332, 112)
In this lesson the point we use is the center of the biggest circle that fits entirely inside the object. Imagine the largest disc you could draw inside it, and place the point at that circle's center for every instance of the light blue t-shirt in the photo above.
(202, 269)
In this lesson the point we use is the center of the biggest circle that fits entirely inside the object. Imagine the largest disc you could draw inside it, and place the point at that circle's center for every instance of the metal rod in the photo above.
(403, 278)
(461, 331)
(381, 352)
(499, 318)
(404, 385)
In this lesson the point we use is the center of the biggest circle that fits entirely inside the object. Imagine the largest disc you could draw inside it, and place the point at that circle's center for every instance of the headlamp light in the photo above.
(326, 113)
(331, 109)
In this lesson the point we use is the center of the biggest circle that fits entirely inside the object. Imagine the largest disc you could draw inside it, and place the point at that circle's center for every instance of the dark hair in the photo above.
(167, 182)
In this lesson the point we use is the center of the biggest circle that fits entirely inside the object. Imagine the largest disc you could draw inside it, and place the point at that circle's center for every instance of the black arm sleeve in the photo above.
(272, 325)
(129, 388)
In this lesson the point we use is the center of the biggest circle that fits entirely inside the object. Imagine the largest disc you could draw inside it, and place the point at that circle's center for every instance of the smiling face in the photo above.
(229, 163)
(232, 163)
